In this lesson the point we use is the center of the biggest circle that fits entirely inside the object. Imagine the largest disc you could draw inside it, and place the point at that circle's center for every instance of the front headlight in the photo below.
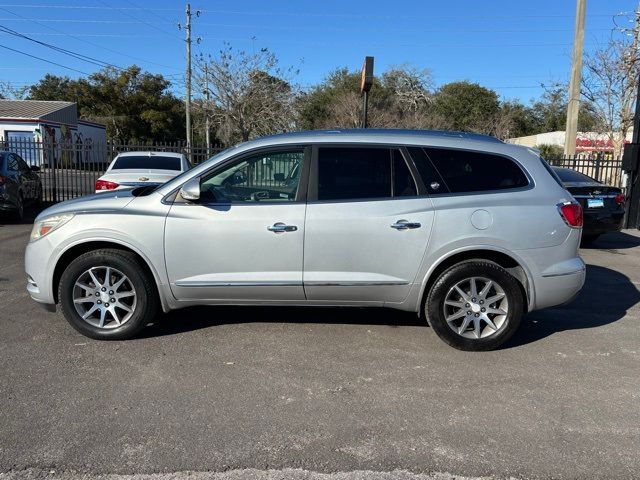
(47, 225)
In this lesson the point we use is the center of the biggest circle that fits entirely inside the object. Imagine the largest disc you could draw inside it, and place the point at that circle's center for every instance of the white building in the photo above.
(38, 130)
(587, 143)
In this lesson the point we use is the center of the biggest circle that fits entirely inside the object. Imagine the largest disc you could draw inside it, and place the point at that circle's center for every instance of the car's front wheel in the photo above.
(475, 305)
(107, 294)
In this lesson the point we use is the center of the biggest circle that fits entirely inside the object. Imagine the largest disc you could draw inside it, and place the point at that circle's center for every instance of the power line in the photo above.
(139, 20)
(84, 41)
(64, 51)
(147, 9)
(304, 28)
(43, 59)
(295, 14)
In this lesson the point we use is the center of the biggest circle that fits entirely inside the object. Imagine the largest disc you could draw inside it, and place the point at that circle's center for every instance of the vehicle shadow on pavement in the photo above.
(606, 297)
(613, 241)
(195, 318)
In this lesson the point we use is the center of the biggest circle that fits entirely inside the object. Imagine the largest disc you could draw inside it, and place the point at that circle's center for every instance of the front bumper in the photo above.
(39, 279)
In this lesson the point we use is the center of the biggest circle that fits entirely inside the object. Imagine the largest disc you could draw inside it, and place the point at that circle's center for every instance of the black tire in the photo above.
(434, 306)
(588, 239)
(126, 262)
(38, 200)
(18, 214)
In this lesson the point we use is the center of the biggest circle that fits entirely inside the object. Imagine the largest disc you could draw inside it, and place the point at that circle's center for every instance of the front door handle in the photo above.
(281, 228)
(405, 225)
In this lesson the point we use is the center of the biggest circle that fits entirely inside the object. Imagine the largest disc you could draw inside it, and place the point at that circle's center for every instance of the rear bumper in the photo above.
(596, 223)
(559, 288)
(556, 273)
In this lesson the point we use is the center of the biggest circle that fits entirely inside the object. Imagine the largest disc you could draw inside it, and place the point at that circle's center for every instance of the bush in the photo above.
(548, 151)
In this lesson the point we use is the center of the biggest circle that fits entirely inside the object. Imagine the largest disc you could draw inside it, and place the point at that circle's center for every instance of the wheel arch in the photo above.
(506, 261)
(74, 251)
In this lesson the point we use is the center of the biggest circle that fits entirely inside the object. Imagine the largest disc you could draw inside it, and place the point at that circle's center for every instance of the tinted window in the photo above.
(23, 165)
(265, 177)
(361, 173)
(148, 162)
(430, 177)
(567, 175)
(467, 171)
(12, 163)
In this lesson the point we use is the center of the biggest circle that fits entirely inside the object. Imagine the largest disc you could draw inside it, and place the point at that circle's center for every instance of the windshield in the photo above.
(146, 162)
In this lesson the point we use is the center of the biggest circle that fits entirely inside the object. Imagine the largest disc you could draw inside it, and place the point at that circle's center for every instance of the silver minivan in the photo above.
(465, 230)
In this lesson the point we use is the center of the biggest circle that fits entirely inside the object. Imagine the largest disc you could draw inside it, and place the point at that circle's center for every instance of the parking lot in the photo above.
(326, 390)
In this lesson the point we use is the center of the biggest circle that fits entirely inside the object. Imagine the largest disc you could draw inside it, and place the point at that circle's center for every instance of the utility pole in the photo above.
(206, 109)
(188, 80)
(631, 156)
(573, 108)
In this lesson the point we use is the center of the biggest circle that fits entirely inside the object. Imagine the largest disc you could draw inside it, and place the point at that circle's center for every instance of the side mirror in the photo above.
(35, 168)
(191, 189)
(279, 177)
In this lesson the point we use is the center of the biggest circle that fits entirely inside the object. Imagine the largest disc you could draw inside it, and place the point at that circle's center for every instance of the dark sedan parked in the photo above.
(19, 184)
(603, 205)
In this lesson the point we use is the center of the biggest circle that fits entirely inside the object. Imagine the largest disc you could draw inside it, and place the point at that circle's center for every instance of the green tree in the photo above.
(468, 106)
(135, 105)
(399, 98)
(550, 112)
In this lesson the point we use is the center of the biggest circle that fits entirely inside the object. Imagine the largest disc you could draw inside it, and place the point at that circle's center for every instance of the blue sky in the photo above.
(510, 46)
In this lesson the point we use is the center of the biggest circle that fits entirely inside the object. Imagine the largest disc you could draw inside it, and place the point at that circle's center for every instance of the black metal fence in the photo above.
(70, 170)
(604, 169)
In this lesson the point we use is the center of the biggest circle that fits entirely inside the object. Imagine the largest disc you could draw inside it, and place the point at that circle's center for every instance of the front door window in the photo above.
(266, 177)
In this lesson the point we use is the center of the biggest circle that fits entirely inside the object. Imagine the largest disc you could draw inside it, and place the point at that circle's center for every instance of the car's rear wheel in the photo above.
(108, 294)
(475, 305)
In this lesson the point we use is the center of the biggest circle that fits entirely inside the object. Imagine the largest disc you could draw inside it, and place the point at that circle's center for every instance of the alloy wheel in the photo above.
(104, 297)
(476, 307)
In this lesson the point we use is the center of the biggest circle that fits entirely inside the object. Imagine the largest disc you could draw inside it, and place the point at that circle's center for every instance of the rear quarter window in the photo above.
(465, 171)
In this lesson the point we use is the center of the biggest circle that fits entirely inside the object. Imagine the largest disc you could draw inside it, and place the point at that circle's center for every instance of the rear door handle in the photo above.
(281, 228)
(405, 225)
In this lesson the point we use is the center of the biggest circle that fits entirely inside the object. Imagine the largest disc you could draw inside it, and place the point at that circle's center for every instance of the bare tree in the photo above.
(7, 90)
(610, 84)
(412, 88)
(249, 94)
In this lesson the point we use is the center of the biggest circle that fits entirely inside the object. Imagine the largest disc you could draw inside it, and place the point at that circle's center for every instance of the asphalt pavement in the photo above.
(324, 393)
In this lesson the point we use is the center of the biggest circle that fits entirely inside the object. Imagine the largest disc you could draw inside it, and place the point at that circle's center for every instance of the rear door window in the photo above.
(12, 163)
(465, 171)
(363, 173)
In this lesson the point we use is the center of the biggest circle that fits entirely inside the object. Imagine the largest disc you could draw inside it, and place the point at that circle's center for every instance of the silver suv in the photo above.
(465, 230)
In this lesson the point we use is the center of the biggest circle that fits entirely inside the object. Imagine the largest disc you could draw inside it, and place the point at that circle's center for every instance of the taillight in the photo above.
(620, 199)
(2, 180)
(572, 214)
(106, 185)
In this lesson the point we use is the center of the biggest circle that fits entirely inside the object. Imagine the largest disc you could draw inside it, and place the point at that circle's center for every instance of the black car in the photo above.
(603, 205)
(19, 184)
